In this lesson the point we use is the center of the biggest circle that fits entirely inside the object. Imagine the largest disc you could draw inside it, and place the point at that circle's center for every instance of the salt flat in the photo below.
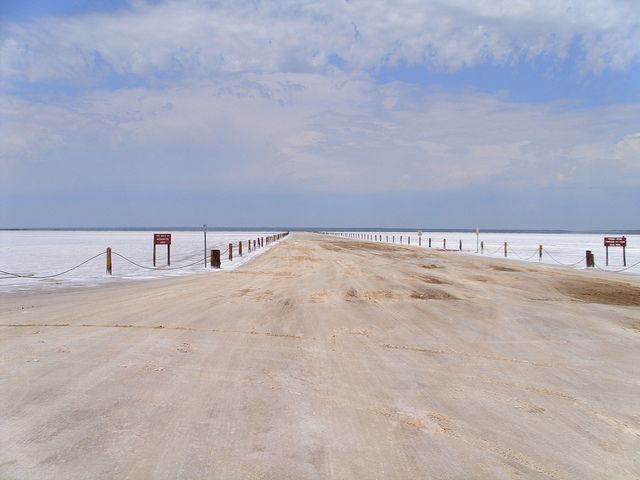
(327, 358)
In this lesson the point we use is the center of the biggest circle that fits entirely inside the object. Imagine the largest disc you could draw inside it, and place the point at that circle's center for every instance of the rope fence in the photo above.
(253, 245)
(441, 244)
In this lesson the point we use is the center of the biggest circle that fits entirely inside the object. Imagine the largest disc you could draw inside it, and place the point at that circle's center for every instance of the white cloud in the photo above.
(191, 39)
(321, 132)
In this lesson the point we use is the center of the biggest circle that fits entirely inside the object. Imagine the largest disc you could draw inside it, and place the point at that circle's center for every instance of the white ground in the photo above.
(45, 252)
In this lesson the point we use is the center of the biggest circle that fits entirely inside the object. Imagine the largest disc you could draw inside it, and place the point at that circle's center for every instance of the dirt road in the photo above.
(327, 358)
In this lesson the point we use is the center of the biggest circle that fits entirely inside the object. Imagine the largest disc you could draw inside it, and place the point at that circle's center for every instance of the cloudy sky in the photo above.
(450, 113)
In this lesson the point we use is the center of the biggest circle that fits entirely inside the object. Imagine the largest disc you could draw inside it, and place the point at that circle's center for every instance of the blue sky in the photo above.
(448, 114)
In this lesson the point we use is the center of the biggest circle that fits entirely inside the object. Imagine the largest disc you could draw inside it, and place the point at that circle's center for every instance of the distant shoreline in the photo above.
(315, 229)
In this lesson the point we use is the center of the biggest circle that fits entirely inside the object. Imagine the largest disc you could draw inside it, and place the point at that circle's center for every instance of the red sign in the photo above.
(615, 241)
(162, 239)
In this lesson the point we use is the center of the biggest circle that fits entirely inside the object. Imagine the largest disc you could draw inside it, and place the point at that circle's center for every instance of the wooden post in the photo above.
(240, 249)
(230, 251)
(444, 243)
(408, 240)
(540, 253)
(482, 246)
(419, 241)
(505, 249)
(400, 238)
(215, 258)
(249, 247)
(109, 260)
(590, 259)
(394, 238)
(429, 242)
(254, 244)
(460, 245)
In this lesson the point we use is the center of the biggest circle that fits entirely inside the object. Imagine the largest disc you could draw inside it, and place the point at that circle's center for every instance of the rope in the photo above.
(617, 271)
(522, 258)
(161, 268)
(544, 250)
(9, 274)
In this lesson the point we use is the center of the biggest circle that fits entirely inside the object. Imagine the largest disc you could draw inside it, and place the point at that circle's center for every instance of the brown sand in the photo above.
(327, 358)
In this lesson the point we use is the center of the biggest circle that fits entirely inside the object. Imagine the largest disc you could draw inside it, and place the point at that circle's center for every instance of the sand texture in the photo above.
(327, 358)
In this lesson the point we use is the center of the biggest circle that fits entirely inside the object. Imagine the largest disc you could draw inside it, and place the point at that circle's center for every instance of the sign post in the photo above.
(616, 242)
(204, 229)
(162, 239)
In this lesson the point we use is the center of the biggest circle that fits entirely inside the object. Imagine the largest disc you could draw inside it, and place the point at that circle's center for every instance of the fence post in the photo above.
(590, 259)
(408, 240)
(230, 251)
(240, 249)
(109, 260)
(460, 245)
(429, 242)
(482, 247)
(254, 244)
(444, 243)
(540, 253)
(505, 249)
(215, 258)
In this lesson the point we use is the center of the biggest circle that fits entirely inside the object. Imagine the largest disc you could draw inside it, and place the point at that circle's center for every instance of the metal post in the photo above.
(607, 255)
(204, 229)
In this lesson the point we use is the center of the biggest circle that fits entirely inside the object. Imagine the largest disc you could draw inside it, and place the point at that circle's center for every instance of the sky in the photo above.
(426, 114)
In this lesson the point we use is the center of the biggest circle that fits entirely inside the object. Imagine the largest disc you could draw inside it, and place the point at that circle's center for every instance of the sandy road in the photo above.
(327, 358)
